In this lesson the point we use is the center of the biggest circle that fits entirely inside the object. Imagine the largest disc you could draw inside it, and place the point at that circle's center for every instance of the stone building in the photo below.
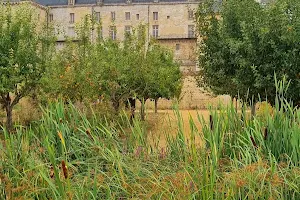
(171, 22)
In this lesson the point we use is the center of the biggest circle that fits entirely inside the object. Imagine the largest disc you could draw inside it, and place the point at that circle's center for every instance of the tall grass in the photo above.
(67, 155)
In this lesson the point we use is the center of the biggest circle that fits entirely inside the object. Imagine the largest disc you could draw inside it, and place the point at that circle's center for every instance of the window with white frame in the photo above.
(127, 29)
(113, 32)
(191, 14)
(191, 31)
(71, 32)
(71, 2)
(155, 31)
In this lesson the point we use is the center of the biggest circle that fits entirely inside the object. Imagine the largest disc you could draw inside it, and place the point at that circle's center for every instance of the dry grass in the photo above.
(165, 123)
(192, 97)
(23, 113)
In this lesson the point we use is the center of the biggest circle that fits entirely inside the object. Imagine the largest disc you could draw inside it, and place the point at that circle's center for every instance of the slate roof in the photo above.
(52, 2)
(65, 2)
(78, 2)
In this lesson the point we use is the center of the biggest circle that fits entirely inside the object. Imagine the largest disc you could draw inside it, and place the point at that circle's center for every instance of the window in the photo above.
(71, 32)
(191, 14)
(137, 16)
(72, 18)
(71, 2)
(155, 31)
(113, 32)
(51, 17)
(127, 29)
(155, 15)
(127, 15)
(100, 32)
(113, 16)
(191, 31)
(98, 17)
(177, 47)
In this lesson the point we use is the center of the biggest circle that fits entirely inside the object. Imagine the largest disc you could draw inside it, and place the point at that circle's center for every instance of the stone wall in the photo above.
(173, 19)
(192, 97)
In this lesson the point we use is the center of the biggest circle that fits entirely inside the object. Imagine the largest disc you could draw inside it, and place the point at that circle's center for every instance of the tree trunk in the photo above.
(143, 109)
(155, 105)
(8, 109)
(116, 105)
(9, 121)
(132, 103)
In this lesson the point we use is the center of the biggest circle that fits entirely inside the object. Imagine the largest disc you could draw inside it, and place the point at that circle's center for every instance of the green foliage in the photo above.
(245, 43)
(111, 69)
(69, 156)
(23, 51)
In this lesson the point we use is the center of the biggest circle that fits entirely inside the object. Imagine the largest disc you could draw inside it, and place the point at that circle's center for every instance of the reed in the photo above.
(67, 155)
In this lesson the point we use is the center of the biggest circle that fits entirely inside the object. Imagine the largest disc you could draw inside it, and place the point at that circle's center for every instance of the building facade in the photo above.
(171, 22)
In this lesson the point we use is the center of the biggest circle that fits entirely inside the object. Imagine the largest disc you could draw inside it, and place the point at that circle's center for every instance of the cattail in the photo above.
(211, 122)
(253, 142)
(162, 153)
(138, 151)
(88, 132)
(65, 169)
(61, 137)
(266, 133)
(124, 151)
(191, 185)
(51, 172)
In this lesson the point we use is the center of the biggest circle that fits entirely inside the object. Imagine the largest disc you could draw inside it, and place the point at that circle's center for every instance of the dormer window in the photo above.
(99, 2)
(71, 2)
(191, 14)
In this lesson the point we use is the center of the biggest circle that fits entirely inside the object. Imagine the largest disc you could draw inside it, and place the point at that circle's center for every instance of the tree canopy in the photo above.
(244, 43)
(24, 42)
(115, 70)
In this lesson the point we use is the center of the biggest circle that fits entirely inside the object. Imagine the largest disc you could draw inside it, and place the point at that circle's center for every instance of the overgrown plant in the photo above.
(24, 49)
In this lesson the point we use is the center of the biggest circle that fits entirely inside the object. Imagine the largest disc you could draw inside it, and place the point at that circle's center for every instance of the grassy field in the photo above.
(165, 123)
(68, 154)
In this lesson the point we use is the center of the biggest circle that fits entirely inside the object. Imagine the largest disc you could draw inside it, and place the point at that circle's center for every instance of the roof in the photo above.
(86, 2)
(52, 2)
(80, 2)
(17, 2)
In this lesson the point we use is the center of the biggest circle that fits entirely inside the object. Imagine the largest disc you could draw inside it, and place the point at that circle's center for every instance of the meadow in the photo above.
(71, 154)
